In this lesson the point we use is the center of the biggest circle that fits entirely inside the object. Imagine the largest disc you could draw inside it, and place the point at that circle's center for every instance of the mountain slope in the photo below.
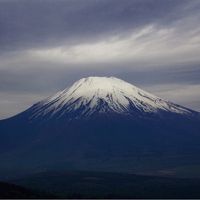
(100, 124)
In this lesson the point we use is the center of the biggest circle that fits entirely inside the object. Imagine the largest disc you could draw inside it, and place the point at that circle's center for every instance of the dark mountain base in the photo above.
(80, 184)
(104, 143)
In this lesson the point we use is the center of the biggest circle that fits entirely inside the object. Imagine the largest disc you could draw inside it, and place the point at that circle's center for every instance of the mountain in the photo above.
(101, 123)
(92, 95)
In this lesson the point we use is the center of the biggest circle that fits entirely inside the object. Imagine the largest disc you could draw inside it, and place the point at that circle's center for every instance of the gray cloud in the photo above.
(48, 44)
(34, 23)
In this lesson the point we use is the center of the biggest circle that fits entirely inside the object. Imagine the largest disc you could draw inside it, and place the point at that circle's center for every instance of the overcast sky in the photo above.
(46, 45)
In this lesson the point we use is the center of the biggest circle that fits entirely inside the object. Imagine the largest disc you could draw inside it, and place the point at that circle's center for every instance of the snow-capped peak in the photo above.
(103, 94)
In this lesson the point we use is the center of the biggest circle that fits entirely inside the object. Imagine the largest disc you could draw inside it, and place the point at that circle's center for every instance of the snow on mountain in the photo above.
(103, 94)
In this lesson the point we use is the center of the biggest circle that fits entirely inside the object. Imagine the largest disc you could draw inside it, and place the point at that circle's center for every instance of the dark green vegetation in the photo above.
(12, 191)
(80, 184)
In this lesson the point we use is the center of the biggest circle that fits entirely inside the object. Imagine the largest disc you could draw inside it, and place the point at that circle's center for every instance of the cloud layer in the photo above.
(47, 45)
